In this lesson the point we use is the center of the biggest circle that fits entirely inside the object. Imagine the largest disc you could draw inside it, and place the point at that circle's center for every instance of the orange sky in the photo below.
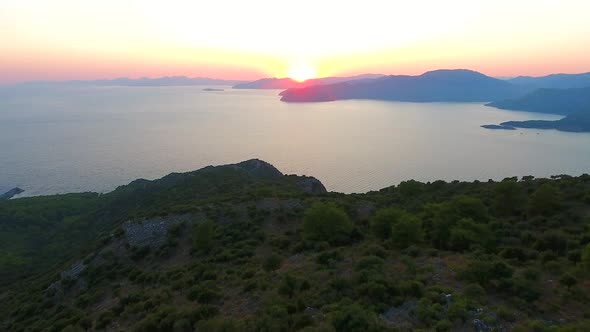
(71, 39)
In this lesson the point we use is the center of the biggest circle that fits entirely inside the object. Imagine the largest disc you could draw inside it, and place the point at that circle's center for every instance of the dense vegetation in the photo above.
(250, 250)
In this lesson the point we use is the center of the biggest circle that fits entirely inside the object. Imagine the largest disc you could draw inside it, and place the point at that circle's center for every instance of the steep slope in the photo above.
(64, 224)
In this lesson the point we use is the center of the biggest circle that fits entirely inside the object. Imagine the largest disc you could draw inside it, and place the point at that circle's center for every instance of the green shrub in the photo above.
(204, 236)
(370, 262)
(182, 325)
(219, 324)
(585, 260)
(546, 200)
(353, 318)
(272, 262)
(509, 199)
(443, 326)
(288, 286)
(326, 222)
(204, 293)
(406, 231)
(486, 270)
(383, 220)
(568, 280)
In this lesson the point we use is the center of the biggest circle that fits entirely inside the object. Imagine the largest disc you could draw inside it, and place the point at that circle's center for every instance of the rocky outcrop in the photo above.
(257, 168)
(481, 326)
(403, 314)
(73, 272)
(69, 275)
(150, 232)
(11, 193)
(311, 185)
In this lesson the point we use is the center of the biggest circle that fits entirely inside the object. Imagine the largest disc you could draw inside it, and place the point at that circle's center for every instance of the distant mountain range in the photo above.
(458, 85)
(145, 81)
(552, 101)
(574, 103)
(556, 81)
(288, 83)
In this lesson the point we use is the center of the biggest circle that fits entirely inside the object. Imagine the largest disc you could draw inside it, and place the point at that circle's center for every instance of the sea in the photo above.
(59, 138)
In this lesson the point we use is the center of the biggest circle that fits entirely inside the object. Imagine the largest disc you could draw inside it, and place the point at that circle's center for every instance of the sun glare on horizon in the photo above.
(301, 73)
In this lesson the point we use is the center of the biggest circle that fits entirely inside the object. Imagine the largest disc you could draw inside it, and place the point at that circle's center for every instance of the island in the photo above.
(573, 103)
(501, 127)
(573, 123)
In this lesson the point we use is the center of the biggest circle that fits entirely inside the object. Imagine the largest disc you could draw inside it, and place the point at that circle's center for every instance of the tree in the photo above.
(554, 240)
(406, 231)
(487, 269)
(182, 325)
(410, 188)
(204, 236)
(288, 286)
(544, 201)
(441, 218)
(467, 233)
(272, 262)
(567, 280)
(353, 318)
(585, 260)
(383, 220)
(326, 222)
(509, 198)
(469, 207)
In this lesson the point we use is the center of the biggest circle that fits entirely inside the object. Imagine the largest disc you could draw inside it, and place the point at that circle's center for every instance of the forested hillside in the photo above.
(244, 248)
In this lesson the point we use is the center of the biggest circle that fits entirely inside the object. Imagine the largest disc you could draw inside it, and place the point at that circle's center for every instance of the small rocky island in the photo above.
(500, 127)
(11, 193)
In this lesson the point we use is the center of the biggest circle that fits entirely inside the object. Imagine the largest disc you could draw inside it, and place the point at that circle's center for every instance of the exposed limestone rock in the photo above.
(150, 232)
(11, 193)
(312, 185)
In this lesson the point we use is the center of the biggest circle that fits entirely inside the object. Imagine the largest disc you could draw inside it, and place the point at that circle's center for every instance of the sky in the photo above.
(79, 39)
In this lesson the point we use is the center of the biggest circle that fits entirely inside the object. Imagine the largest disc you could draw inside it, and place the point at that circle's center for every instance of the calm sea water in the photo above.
(73, 139)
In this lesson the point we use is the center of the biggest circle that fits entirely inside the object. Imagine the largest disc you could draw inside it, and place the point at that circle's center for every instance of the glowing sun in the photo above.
(301, 73)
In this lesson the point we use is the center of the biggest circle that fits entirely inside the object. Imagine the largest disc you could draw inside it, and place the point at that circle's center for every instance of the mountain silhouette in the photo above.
(552, 101)
(556, 81)
(288, 83)
(459, 85)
